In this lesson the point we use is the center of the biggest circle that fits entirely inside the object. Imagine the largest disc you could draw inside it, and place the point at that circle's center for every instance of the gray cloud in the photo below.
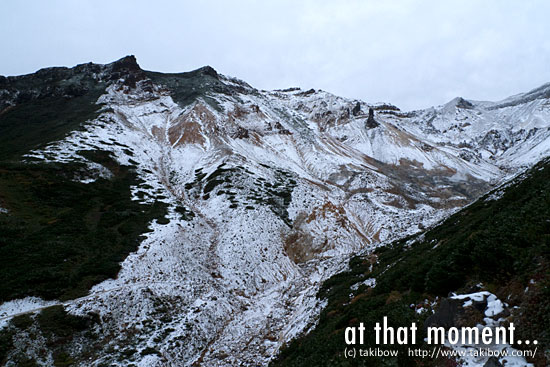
(411, 53)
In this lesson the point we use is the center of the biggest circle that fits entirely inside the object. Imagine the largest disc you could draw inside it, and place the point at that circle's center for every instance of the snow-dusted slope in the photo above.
(508, 134)
(269, 193)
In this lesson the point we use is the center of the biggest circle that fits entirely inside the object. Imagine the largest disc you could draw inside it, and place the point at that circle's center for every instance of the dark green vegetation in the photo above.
(244, 188)
(34, 124)
(186, 87)
(70, 340)
(48, 105)
(61, 236)
(57, 328)
(502, 243)
(185, 213)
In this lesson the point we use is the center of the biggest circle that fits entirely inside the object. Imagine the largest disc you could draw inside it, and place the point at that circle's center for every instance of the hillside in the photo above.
(500, 244)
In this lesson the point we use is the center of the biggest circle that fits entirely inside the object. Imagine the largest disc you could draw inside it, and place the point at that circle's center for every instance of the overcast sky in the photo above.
(413, 54)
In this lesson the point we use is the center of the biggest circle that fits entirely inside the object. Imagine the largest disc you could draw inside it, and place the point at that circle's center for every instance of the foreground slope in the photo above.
(495, 251)
(247, 199)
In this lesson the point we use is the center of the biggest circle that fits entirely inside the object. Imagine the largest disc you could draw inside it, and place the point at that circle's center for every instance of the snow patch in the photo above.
(370, 282)
(10, 309)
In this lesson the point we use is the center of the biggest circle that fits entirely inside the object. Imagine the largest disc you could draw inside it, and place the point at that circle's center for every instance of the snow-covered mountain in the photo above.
(268, 193)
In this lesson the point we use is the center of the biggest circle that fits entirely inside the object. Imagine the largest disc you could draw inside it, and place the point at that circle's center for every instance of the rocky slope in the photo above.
(486, 266)
(266, 195)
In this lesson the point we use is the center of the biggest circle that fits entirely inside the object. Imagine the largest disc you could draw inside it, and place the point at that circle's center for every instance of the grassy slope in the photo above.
(50, 104)
(57, 330)
(186, 87)
(33, 124)
(61, 236)
(502, 243)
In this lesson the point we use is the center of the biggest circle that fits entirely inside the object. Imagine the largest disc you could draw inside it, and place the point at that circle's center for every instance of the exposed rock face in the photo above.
(208, 70)
(462, 103)
(371, 122)
(357, 109)
(127, 69)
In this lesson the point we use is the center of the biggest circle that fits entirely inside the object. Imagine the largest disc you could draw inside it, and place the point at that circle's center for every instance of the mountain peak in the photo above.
(208, 70)
(126, 69)
(460, 102)
(127, 62)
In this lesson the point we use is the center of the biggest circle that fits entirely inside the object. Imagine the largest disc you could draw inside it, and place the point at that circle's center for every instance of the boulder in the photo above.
(446, 315)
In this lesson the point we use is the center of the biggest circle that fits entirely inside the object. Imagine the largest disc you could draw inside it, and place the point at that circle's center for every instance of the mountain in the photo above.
(159, 219)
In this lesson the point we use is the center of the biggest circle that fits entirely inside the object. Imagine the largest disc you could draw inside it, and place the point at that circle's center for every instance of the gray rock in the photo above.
(357, 109)
(371, 122)
(446, 315)
(492, 362)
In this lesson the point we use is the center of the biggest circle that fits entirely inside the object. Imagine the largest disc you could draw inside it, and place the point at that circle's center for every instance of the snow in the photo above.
(21, 306)
(494, 305)
(477, 296)
(370, 282)
(494, 308)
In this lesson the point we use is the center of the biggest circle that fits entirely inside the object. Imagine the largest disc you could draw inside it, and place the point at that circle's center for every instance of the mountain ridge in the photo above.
(130, 63)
